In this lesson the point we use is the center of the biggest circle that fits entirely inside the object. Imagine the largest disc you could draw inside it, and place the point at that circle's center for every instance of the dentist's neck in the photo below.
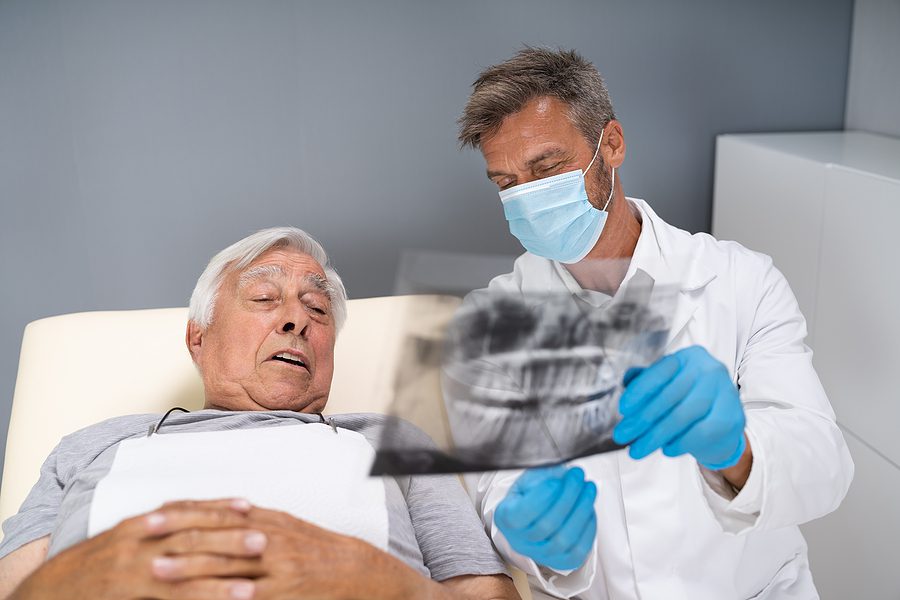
(618, 240)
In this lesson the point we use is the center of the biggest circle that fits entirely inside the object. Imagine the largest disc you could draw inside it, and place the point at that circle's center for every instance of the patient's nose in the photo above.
(295, 325)
(294, 318)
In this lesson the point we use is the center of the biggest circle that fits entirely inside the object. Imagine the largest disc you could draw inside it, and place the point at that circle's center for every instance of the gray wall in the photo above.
(136, 139)
(873, 89)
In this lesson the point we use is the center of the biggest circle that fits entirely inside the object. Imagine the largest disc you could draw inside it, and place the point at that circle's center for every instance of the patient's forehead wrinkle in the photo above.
(319, 282)
(258, 272)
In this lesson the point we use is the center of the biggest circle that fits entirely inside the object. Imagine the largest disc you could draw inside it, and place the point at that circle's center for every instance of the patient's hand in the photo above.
(302, 560)
(182, 550)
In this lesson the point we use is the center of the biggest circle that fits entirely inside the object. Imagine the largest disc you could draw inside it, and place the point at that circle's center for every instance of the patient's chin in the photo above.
(257, 395)
(304, 404)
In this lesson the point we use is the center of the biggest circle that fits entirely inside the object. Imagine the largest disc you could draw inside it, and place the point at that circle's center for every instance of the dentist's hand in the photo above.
(548, 516)
(684, 403)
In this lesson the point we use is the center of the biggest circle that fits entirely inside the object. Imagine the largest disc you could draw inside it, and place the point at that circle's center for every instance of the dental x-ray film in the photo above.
(524, 380)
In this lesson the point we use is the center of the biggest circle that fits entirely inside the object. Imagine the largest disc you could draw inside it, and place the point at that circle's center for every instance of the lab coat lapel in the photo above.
(673, 259)
(693, 278)
(687, 306)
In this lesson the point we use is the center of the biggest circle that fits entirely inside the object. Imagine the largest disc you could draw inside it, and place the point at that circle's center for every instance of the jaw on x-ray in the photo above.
(528, 380)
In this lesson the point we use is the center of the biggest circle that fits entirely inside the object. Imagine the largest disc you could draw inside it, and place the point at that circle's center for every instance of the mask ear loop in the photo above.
(596, 152)
(612, 186)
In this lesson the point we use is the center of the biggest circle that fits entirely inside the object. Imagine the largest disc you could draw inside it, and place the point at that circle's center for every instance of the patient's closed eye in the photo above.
(317, 309)
(316, 302)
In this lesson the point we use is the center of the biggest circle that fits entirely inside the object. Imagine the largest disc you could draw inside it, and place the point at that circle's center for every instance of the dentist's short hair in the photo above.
(504, 89)
(240, 254)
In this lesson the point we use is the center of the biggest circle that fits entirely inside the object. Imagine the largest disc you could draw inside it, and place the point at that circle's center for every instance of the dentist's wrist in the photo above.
(738, 473)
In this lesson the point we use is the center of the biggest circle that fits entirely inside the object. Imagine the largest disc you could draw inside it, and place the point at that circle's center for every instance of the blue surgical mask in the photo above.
(553, 218)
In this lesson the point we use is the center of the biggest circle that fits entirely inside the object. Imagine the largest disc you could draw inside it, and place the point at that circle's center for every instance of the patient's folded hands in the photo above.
(211, 542)
(223, 550)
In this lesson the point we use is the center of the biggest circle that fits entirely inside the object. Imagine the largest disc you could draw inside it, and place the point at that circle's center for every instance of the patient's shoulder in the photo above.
(108, 432)
(113, 425)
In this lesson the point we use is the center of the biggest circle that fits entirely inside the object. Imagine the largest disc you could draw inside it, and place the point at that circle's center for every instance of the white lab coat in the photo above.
(668, 529)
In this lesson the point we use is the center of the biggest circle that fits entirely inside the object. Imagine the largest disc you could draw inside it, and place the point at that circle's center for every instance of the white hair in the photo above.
(240, 254)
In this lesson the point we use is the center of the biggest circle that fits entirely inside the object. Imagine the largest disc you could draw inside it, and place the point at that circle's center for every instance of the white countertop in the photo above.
(858, 150)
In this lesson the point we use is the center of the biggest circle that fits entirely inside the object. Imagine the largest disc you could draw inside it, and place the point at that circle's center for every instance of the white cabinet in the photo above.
(826, 207)
(853, 551)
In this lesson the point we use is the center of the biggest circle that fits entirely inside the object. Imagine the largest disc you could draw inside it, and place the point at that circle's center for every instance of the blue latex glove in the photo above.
(548, 516)
(684, 403)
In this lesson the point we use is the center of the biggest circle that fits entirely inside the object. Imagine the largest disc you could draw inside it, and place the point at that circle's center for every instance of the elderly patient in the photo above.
(264, 497)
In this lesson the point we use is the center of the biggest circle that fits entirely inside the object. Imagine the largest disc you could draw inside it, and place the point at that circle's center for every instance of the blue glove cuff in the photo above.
(732, 460)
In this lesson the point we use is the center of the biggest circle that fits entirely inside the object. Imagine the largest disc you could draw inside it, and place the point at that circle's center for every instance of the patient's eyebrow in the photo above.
(254, 274)
(258, 272)
(321, 284)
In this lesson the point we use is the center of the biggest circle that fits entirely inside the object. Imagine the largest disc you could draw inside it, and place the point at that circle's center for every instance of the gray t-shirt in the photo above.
(432, 525)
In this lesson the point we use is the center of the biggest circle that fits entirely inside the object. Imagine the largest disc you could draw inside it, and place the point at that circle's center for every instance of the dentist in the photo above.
(731, 440)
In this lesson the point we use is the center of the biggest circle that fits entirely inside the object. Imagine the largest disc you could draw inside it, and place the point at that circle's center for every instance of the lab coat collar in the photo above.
(666, 253)
(669, 255)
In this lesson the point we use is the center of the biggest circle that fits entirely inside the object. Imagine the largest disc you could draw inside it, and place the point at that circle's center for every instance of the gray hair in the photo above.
(240, 254)
(503, 89)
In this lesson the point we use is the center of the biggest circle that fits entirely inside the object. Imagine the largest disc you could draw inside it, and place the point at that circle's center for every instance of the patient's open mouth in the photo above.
(291, 359)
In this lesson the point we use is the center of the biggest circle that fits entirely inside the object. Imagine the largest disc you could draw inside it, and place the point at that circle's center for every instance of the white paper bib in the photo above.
(306, 470)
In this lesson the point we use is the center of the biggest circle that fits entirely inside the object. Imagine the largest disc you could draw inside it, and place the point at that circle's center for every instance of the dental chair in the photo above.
(79, 369)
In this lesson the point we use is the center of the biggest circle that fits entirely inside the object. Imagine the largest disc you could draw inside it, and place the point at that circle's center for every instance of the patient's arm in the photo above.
(482, 586)
(17, 565)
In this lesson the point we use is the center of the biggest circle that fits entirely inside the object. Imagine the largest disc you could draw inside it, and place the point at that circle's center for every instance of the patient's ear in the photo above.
(193, 337)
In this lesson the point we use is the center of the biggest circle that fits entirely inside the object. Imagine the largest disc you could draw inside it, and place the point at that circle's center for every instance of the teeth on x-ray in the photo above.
(533, 380)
